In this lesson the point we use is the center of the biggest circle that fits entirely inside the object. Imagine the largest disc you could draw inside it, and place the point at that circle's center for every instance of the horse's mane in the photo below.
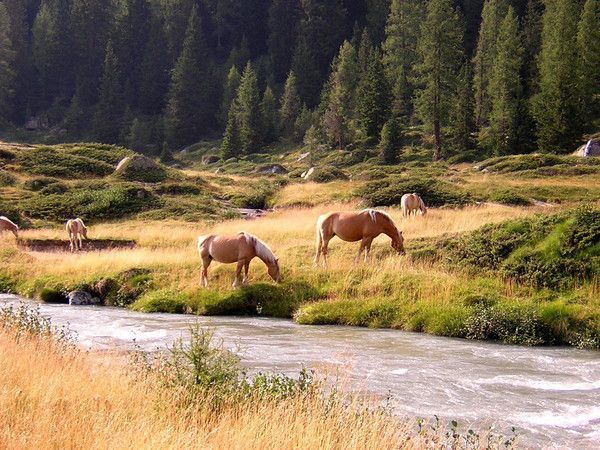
(262, 250)
(201, 239)
(6, 219)
(373, 214)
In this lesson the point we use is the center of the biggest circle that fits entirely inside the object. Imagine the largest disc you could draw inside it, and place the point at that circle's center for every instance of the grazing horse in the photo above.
(363, 226)
(9, 225)
(412, 203)
(76, 228)
(240, 248)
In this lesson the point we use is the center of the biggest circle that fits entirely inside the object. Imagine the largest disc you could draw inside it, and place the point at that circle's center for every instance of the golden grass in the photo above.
(63, 399)
(312, 194)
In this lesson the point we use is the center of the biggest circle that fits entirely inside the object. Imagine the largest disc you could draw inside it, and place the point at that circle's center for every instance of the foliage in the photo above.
(55, 162)
(7, 178)
(390, 142)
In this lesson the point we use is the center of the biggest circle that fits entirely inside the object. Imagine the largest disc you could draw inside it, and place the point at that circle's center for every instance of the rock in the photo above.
(83, 298)
(140, 168)
(303, 156)
(592, 148)
(306, 175)
(103, 287)
(210, 159)
(219, 170)
(272, 168)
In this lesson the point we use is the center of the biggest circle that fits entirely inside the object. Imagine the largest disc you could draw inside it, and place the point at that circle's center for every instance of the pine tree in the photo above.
(363, 55)
(186, 109)
(400, 52)
(373, 97)
(7, 72)
(290, 105)
(232, 83)
(376, 16)
(166, 155)
(440, 49)
(110, 109)
(269, 116)
(339, 115)
(232, 143)
(390, 141)
(248, 111)
(588, 42)
(462, 123)
(556, 106)
(505, 89)
(284, 17)
(532, 38)
(491, 17)
(155, 70)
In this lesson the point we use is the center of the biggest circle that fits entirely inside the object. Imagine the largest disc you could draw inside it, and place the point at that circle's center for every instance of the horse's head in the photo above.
(423, 209)
(84, 232)
(16, 232)
(273, 270)
(398, 243)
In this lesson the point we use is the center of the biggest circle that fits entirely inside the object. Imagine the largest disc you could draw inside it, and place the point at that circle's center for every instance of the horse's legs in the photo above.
(368, 243)
(204, 276)
(246, 269)
(80, 243)
(325, 250)
(238, 271)
(71, 242)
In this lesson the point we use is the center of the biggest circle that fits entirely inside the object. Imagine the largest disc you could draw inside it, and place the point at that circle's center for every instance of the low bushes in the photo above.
(7, 178)
(518, 163)
(55, 163)
(507, 197)
(110, 154)
(327, 173)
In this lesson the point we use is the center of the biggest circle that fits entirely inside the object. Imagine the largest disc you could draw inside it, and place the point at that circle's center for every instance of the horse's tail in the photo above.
(319, 230)
(201, 241)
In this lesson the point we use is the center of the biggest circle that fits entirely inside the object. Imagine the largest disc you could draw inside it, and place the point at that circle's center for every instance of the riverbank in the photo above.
(421, 292)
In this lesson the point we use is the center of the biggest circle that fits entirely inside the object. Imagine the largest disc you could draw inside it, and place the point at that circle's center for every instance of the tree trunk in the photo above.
(438, 140)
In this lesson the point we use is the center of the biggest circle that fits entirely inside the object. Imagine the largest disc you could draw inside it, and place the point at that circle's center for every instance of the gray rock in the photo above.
(591, 148)
(210, 159)
(273, 168)
(83, 298)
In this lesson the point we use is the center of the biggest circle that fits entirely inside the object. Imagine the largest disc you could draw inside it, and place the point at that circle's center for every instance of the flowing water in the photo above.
(551, 395)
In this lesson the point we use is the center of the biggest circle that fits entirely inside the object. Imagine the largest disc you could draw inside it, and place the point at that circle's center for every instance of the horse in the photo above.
(412, 203)
(363, 226)
(241, 248)
(75, 229)
(9, 225)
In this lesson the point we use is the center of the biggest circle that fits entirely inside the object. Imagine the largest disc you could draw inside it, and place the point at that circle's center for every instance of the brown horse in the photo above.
(9, 225)
(75, 229)
(363, 226)
(412, 203)
(241, 248)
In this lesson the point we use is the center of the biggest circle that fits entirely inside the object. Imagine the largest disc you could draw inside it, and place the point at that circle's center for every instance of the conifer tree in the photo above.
(441, 52)
(248, 111)
(373, 97)
(462, 122)
(556, 106)
(45, 52)
(110, 109)
(390, 141)
(491, 18)
(400, 52)
(290, 105)
(232, 143)
(186, 109)
(532, 38)
(363, 55)
(7, 73)
(232, 83)
(588, 42)
(155, 70)
(339, 115)
(284, 17)
(269, 116)
(505, 89)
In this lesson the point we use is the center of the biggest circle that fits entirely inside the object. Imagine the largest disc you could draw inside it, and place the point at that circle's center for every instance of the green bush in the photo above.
(533, 162)
(7, 155)
(38, 183)
(52, 162)
(8, 209)
(507, 197)
(7, 284)
(434, 192)
(126, 287)
(7, 178)
(178, 189)
(110, 154)
(161, 301)
(326, 174)
(53, 295)
(55, 188)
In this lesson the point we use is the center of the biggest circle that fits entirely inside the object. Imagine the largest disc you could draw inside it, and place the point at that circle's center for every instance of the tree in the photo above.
(247, 104)
(339, 114)
(155, 70)
(284, 16)
(556, 106)
(290, 105)
(588, 43)
(462, 123)
(7, 72)
(440, 50)
(390, 141)
(491, 17)
(532, 38)
(505, 89)
(373, 97)
(400, 52)
(232, 83)
(186, 113)
(232, 143)
(363, 55)
(109, 112)
(269, 116)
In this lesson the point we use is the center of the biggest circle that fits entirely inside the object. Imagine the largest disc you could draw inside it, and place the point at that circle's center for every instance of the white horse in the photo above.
(412, 203)
(9, 225)
(76, 228)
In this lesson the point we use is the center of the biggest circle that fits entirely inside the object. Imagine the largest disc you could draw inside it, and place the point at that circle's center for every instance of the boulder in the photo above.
(272, 168)
(591, 148)
(303, 156)
(80, 298)
(210, 159)
(140, 168)
(306, 175)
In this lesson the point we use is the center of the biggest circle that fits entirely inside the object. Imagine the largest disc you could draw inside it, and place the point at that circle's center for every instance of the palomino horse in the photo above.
(412, 203)
(240, 248)
(363, 226)
(76, 228)
(9, 225)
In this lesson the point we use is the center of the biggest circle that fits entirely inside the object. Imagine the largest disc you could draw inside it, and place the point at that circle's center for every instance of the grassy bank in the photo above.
(426, 291)
(55, 396)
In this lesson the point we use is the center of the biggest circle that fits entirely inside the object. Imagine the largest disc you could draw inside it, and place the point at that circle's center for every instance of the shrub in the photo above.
(327, 173)
(52, 162)
(178, 189)
(507, 197)
(55, 188)
(254, 197)
(7, 284)
(7, 178)
(127, 287)
(161, 301)
(9, 210)
(110, 154)
(7, 155)
(38, 183)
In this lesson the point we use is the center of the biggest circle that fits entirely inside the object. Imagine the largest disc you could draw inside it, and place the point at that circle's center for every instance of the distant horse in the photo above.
(363, 226)
(241, 248)
(412, 203)
(9, 225)
(76, 228)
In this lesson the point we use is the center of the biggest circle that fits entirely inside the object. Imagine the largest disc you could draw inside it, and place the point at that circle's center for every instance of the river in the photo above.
(551, 395)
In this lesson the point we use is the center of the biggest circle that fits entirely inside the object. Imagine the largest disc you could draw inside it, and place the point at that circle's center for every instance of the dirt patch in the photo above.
(58, 245)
